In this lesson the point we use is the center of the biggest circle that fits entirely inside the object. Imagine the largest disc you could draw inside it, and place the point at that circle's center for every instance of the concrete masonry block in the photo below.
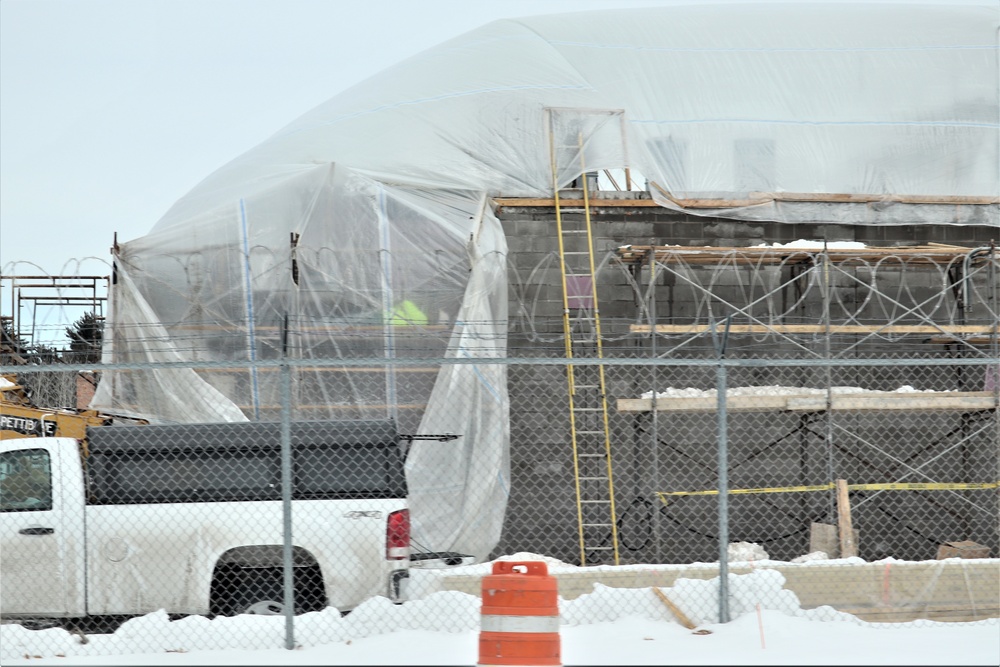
(534, 228)
(733, 230)
(833, 233)
(626, 232)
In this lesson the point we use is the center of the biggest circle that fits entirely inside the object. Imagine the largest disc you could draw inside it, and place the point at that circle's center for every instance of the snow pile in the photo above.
(746, 551)
(697, 598)
(810, 557)
(526, 555)
(815, 245)
(442, 612)
(446, 611)
(772, 390)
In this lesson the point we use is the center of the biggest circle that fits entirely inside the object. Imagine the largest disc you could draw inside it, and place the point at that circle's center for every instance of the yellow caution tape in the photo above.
(888, 486)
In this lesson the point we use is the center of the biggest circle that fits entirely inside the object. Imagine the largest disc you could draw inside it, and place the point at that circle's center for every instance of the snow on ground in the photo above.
(773, 638)
(619, 626)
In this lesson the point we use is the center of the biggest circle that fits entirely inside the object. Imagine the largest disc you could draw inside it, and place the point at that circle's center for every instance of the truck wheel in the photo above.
(259, 590)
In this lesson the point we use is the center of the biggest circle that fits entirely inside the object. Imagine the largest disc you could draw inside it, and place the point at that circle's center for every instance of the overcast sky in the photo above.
(111, 110)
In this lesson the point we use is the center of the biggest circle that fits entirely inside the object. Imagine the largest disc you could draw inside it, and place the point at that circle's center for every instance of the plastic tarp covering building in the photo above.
(379, 199)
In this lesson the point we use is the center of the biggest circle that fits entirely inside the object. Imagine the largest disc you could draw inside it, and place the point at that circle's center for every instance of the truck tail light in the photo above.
(397, 535)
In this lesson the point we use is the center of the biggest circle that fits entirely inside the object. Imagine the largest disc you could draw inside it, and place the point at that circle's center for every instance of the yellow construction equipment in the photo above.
(20, 418)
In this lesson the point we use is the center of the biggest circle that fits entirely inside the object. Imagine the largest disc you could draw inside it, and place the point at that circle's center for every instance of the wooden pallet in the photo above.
(875, 401)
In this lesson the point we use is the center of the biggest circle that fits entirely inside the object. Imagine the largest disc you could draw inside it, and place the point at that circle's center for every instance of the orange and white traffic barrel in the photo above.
(520, 616)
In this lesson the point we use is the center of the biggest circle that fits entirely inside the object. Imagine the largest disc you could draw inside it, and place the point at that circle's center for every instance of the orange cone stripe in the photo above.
(519, 624)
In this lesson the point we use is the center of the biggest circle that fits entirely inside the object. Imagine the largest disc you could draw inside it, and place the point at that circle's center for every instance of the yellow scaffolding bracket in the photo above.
(886, 486)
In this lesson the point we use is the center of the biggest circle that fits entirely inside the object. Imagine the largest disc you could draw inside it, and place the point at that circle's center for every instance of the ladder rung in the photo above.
(591, 432)
(573, 231)
(597, 525)
(577, 252)
(599, 548)
(592, 479)
(587, 409)
(591, 456)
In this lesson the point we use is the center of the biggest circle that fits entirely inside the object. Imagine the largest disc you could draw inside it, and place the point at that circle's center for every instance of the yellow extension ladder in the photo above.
(588, 401)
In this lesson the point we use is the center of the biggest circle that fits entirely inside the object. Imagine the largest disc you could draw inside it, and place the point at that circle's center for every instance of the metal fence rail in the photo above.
(844, 479)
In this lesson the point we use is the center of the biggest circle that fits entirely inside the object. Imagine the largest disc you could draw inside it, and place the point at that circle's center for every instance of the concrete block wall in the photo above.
(678, 451)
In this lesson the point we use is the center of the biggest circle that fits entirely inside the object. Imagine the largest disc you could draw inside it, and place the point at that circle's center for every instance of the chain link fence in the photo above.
(822, 487)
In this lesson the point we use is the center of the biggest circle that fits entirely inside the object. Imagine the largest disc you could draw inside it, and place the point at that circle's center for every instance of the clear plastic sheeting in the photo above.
(328, 266)
(734, 102)
(463, 485)
(362, 229)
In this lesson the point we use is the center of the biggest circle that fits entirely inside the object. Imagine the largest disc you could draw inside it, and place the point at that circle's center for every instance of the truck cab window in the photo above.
(25, 481)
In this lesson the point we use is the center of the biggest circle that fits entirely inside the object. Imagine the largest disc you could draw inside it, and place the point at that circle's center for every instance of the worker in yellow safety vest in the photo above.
(406, 313)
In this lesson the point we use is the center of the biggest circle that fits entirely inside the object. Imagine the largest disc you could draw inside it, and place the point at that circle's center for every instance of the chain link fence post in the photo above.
(286, 490)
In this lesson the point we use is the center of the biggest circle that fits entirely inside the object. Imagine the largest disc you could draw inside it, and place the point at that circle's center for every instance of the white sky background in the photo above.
(111, 110)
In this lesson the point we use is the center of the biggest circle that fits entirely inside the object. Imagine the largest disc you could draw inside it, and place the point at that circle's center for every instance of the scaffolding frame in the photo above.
(34, 292)
(967, 285)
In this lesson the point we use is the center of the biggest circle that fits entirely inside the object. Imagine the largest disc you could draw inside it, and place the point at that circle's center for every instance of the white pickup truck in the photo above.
(188, 518)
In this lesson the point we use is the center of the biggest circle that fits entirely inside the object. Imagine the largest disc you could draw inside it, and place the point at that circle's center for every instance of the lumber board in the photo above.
(756, 198)
(851, 329)
(964, 401)
(400, 332)
(674, 609)
(872, 198)
(875, 401)
(543, 202)
(704, 404)
(968, 340)
(764, 255)
(340, 408)
(845, 527)
(323, 369)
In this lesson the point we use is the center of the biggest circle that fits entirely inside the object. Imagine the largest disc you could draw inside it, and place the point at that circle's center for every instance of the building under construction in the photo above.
(807, 188)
